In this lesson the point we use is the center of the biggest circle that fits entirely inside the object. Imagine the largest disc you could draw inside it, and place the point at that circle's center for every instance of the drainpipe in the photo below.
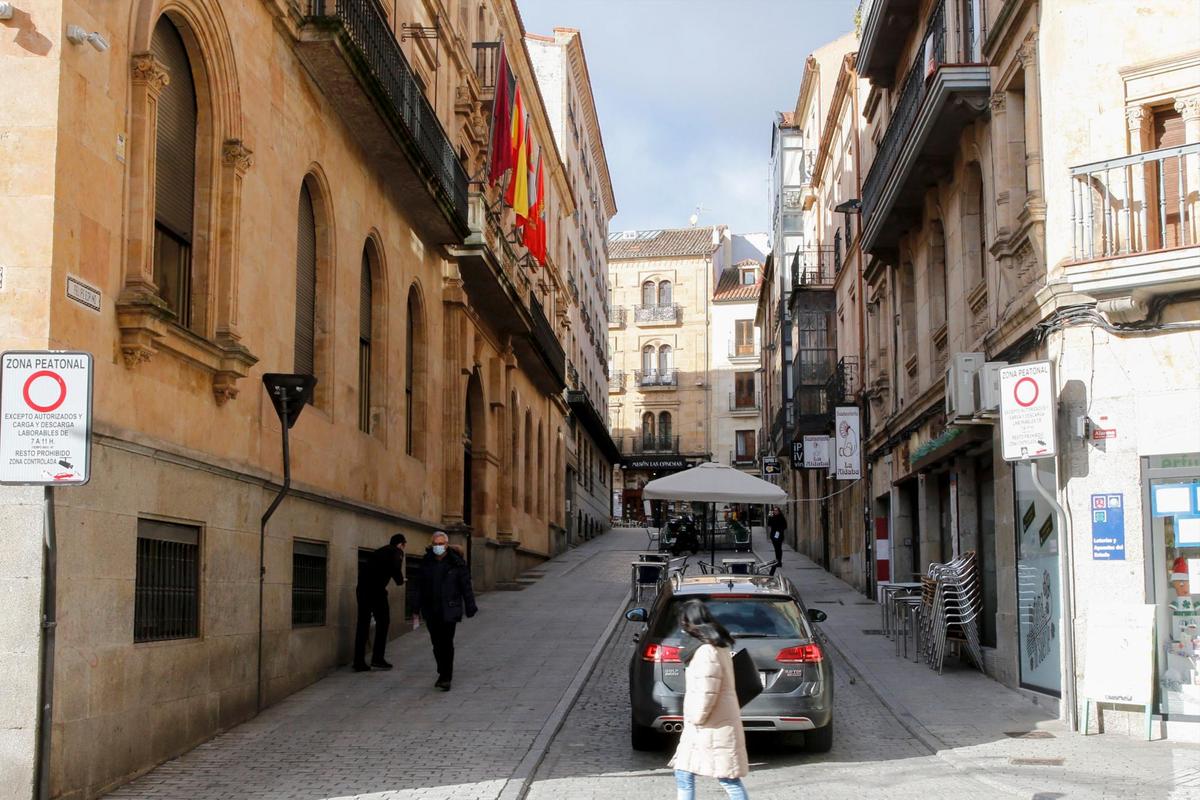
(46, 656)
(262, 545)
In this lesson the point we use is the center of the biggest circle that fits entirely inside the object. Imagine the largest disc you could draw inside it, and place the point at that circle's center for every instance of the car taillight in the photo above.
(801, 654)
(661, 653)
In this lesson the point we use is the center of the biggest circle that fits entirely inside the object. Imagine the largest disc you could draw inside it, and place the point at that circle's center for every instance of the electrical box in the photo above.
(987, 385)
(960, 384)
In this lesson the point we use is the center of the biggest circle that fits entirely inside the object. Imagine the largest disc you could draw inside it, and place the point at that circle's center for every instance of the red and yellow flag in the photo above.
(517, 195)
(537, 243)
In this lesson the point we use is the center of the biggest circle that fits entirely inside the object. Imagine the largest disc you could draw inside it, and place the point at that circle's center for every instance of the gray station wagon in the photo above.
(766, 616)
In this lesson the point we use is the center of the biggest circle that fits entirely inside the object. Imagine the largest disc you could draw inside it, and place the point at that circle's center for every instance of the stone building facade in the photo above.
(660, 282)
(562, 74)
(280, 186)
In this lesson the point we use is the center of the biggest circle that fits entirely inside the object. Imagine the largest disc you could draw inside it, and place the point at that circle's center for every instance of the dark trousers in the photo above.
(778, 545)
(441, 633)
(371, 603)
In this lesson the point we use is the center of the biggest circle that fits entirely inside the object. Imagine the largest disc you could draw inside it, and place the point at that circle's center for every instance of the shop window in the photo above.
(309, 561)
(1039, 604)
(1174, 504)
(167, 584)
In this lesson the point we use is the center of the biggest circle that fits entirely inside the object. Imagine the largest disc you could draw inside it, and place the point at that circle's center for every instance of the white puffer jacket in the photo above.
(713, 742)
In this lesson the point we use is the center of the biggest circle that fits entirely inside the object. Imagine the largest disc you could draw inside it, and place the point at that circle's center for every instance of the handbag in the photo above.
(746, 681)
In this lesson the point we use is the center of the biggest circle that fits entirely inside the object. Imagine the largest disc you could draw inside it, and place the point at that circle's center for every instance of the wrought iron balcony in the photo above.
(616, 316)
(572, 377)
(812, 369)
(668, 313)
(742, 403)
(487, 65)
(944, 90)
(781, 427)
(747, 350)
(546, 344)
(350, 51)
(813, 268)
(655, 444)
(843, 384)
(573, 286)
(616, 382)
(648, 378)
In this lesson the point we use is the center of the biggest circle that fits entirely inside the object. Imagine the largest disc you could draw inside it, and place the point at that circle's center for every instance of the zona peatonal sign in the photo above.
(45, 417)
(1027, 411)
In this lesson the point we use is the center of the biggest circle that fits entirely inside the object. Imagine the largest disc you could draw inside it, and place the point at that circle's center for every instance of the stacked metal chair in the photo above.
(950, 609)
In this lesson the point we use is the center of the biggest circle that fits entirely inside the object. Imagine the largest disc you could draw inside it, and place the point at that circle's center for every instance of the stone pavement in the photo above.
(980, 726)
(391, 735)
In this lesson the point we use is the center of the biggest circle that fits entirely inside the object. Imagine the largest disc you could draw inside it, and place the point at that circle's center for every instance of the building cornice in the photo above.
(596, 137)
(833, 118)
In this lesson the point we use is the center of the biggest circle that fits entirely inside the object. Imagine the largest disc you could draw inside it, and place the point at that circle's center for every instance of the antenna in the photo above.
(695, 217)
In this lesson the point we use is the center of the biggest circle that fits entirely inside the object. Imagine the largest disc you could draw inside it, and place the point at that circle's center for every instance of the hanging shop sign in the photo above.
(848, 443)
(770, 465)
(797, 455)
(45, 417)
(816, 452)
(1027, 411)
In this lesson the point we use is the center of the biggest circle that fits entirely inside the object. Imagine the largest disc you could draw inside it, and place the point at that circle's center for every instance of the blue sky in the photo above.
(685, 90)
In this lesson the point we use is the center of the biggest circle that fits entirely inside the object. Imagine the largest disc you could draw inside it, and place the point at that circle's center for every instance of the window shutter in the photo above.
(364, 300)
(306, 284)
(175, 146)
(1169, 132)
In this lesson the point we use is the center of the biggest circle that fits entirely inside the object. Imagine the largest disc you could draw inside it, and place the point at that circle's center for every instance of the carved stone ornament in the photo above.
(149, 70)
(997, 101)
(1137, 118)
(1028, 52)
(791, 199)
(1189, 107)
(235, 154)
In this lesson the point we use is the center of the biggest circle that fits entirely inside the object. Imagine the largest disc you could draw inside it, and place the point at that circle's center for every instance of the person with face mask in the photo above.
(442, 595)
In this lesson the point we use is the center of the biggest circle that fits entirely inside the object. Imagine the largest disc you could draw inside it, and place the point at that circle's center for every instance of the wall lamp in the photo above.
(851, 206)
(79, 35)
(6, 10)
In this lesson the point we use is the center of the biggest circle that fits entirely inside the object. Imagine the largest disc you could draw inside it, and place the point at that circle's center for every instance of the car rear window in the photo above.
(751, 617)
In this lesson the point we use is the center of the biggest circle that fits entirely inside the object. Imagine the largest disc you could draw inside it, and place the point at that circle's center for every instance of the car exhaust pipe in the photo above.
(673, 727)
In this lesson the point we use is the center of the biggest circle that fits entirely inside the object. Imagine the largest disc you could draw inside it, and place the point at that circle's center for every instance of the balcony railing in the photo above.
(552, 352)
(744, 402)
(655, 377)
(946, 88)
(843, 384)
(616, 317)
(361, 27)
(669, 312)
(616, 382)
(742, 459)
(812, 268)
(1136, 204)
(655, 444)
(743, 349)
(572, 377)
(487, 64)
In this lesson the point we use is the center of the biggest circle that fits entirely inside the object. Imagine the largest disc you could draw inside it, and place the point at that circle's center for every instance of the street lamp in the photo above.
(289, 395)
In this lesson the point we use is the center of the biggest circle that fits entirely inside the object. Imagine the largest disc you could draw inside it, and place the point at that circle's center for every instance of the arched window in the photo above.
(648, 293)
(540, 481)
(664, 293)
(664, 430)
(365, 300)
(175, 174)
(415, 376)
(515, 473)
(648, 431)
(647, 361)
(528, 463)
(664, 361)
(306, 284)
(937, 276)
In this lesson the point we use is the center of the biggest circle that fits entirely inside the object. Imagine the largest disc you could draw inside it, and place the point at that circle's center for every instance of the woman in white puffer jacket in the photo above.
(713, 742)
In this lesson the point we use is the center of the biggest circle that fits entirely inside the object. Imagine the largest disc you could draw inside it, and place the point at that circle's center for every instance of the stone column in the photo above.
(1033, 154)
(1189, 108)
(149, 78)
(1140, 124)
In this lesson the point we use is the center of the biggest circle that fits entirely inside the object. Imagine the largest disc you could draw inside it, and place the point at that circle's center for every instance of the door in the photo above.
(1168, 132)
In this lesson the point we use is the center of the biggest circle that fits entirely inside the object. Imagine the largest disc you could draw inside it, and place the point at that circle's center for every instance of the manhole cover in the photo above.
(873, 631)
(1029, 734)
(1037, 762)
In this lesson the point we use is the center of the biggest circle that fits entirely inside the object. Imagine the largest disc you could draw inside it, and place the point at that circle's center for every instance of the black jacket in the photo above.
(443, 590)
(776, 523)
(385, 564)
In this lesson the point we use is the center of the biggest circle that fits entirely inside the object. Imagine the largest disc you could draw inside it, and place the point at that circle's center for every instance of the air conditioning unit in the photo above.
(960, 384)
(987, 386)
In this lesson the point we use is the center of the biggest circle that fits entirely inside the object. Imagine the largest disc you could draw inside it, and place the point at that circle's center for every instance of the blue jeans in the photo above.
(685, 786)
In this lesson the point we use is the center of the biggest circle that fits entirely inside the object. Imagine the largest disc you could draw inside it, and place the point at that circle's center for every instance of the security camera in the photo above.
(78, 35)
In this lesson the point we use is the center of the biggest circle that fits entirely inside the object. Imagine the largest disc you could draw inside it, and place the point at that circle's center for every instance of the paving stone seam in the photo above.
(518, 784)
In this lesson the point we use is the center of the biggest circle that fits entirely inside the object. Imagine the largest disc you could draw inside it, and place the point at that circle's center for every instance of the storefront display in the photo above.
(1174, 504)
(1039, 605)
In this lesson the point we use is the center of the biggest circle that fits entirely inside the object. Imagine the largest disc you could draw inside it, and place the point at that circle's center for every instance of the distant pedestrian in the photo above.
(383, 565)
(712, 742)
(443, 593)
(776, 525)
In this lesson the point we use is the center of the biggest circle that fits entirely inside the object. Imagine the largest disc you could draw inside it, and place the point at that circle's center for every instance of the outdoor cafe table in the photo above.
(739, 565)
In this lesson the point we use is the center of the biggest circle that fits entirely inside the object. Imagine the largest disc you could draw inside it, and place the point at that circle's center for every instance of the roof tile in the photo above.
(660, 243)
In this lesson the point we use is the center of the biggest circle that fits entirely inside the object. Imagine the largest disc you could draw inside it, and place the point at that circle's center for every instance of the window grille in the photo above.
(309, 560)
(167, 584)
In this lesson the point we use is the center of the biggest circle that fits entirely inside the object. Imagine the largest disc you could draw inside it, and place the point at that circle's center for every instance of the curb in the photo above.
(517, 785)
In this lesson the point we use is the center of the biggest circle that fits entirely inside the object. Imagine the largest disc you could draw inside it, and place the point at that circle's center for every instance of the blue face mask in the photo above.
(439, 549)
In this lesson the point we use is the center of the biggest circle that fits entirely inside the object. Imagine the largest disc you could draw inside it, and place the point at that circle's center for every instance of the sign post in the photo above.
(45, 418)
(847, 463)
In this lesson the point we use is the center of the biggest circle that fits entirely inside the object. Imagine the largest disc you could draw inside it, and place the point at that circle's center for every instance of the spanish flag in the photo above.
(517, 195)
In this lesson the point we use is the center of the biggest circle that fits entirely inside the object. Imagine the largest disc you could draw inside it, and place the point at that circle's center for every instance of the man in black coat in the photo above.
(383, 565)
(776, 525)
(442, 594)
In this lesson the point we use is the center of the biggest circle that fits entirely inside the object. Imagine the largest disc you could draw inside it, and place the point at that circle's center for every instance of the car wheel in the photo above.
(819, 740)
(643, 738)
